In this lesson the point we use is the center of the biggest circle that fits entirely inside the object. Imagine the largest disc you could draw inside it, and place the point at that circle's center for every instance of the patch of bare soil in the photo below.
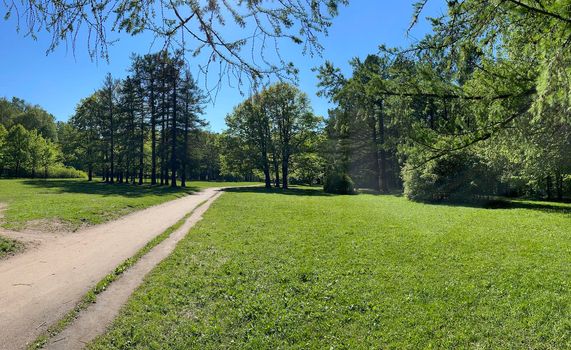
(33, 236)
(56, 226)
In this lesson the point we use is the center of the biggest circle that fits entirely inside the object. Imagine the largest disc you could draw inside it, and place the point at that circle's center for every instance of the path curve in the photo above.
(98, 316)
(39, 287)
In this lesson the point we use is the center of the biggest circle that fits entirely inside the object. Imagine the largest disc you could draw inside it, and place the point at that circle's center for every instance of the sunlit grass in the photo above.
(268, 270)
(75, 203)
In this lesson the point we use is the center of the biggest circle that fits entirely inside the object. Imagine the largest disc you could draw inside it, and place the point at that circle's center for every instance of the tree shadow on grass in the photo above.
(295, 191)
(105, 189)
(499, 204)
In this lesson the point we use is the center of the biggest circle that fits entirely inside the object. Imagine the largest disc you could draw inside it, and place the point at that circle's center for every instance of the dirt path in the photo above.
(38, 287)
(95, 320)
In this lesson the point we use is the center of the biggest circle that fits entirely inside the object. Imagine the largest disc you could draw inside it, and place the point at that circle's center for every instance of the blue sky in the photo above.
(59, 80)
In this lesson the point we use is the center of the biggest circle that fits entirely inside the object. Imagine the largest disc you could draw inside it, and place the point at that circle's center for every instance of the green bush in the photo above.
(64, 172)
(452, 177)
(338, 183)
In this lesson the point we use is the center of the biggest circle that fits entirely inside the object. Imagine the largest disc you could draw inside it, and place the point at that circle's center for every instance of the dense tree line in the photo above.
(479, 107)
(140, 125)
(271, 131)
(29, 142)
(31, 117)
(27, 153)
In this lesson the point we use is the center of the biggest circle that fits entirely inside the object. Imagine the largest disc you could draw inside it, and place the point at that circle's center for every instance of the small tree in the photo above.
(36, 145)
(3, 135)
(17, 152)
(48, 156)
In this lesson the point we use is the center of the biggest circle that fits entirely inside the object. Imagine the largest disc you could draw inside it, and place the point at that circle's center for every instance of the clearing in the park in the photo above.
(302, 269)
(291, 174)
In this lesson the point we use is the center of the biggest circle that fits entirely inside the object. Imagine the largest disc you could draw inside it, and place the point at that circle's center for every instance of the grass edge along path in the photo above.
(71, 205)
(91, 296)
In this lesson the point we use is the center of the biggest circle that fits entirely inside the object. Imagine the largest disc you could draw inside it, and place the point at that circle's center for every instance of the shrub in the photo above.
(338, 183)
(455, 177)
(65, 172)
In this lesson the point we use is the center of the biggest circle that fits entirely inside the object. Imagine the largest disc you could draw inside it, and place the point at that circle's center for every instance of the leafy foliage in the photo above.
(27, 153)
(491, 81)
(337, 183)
(268, 130)
(196, 27)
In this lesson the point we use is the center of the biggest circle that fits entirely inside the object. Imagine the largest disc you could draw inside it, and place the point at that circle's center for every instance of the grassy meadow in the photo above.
(74, 203)
(303, 270)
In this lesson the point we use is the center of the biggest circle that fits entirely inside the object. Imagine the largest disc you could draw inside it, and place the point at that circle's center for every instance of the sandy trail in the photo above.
(39, 286)
(98, 316)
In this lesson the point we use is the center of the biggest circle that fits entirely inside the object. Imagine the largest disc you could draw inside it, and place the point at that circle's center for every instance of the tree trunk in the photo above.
(267, 178)
(285, 171)
(266, 167)
(173, 128)
(378, 162)
(162, 148)
(277, 172)
(383, 187)
(185, 145)
(112, 135)
(162, 145)
(141, 149)
(559, 185)
(153, 134)
(549, 187)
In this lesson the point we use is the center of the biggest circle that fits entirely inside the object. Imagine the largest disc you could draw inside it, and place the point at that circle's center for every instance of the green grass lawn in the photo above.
(303, 270)
(78, 202)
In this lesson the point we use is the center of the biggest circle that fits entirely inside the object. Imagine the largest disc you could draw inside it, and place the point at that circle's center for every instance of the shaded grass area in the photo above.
(8, 246)
(266, 269)
(75, 203)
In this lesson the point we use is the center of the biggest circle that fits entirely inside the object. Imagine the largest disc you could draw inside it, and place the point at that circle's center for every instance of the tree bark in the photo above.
(277, 172)
(173, 128)
(559, 185)
(285, 171)
(185, 150)
(549, 187)
(382, 157)
(153, 132)
(266, 168)
(162, 144)
(374, 139)
(112, 136)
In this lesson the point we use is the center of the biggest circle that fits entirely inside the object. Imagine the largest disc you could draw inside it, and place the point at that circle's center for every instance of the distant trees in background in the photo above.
(143, 124)
(31, 117)
(144, 128)
(27, 153)
(275, 133)
(364, 130)
(29, 142)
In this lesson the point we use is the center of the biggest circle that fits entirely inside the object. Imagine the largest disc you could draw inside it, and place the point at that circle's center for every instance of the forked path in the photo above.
(39, 287)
